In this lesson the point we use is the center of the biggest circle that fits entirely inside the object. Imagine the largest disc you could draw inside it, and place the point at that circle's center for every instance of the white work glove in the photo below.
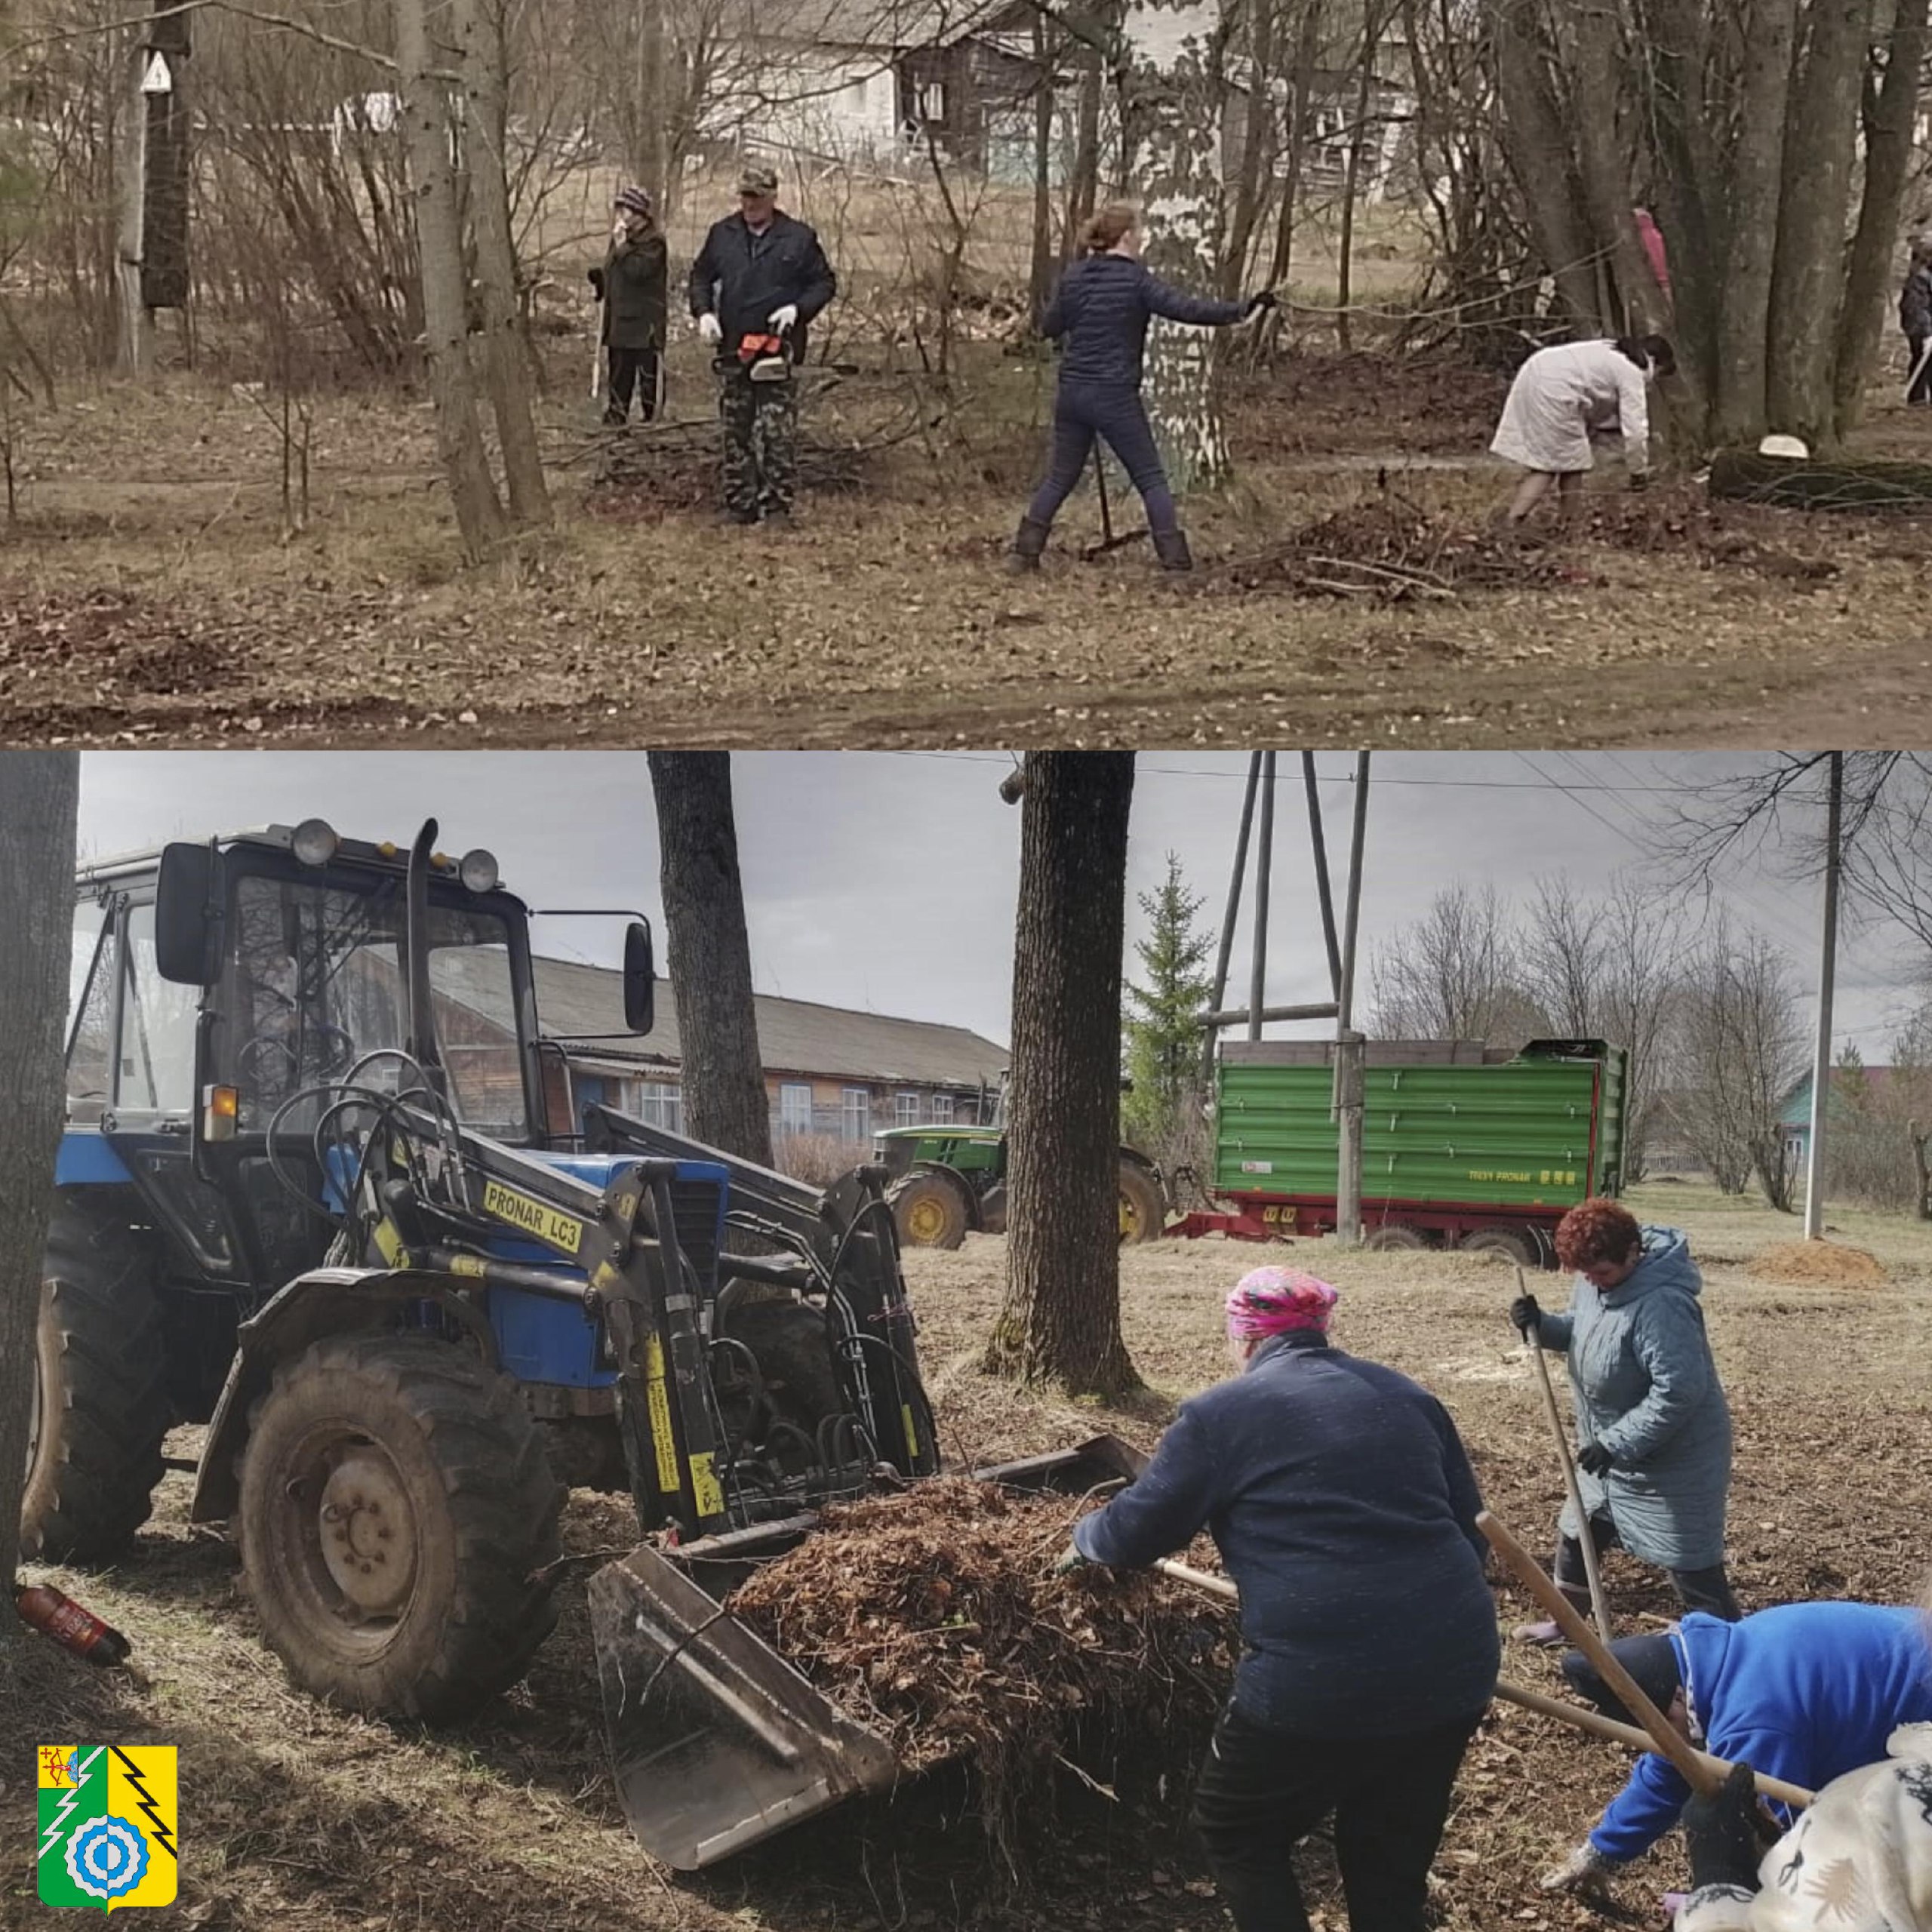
(708, 328)
(1584, 1870)
(782, 317)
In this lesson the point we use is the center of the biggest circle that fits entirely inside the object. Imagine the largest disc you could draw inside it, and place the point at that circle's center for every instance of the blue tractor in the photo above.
(324, 1188)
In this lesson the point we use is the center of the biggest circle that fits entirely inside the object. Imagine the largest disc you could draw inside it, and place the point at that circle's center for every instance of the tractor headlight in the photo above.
(315, 841)
(479, 871)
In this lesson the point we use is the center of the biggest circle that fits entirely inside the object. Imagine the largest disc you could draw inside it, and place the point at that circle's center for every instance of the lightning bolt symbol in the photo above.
(69, 1799)
(133, 1774)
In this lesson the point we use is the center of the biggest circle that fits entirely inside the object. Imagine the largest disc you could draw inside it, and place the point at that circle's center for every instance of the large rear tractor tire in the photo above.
(1394, 1237)
(396, 1501)
(1512, 1243)
(1142, 1213)
(930, 1209)
(99, 1407)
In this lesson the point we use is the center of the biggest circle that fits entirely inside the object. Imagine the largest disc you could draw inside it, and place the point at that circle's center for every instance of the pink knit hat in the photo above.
(1271, 1301)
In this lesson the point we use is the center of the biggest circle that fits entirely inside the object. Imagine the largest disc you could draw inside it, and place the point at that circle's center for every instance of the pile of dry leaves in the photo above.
(1390, 551)
(934, 1618)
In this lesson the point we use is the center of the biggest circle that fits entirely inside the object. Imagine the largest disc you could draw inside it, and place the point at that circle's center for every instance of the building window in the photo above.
(905, 1110)
(942, 1108)
(659, 1103)
(857, 1113)
(795, 1109)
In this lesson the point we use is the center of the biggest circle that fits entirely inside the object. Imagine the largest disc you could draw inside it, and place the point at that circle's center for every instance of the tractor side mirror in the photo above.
(640, 978)
(186, 917)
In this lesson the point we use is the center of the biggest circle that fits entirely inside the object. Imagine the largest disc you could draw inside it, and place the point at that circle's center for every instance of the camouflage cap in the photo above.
(755, 178)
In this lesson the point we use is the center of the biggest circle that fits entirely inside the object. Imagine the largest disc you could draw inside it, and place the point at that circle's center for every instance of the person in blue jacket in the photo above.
(1654, 1455)
(1806, 1692)
(1099, 312)
(1344, 1508)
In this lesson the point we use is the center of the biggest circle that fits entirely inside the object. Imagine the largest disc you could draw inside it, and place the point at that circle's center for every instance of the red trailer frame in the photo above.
(1285, 1217)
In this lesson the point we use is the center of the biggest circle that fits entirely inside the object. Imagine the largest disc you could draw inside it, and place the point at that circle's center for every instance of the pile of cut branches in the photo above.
(933, 1617)
(1387, 550)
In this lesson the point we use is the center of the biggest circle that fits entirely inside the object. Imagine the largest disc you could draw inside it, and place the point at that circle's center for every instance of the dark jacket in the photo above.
(741, 278)
(1805, 1692)
(1344, 1509)
(1102, 308)
(1915, 301)
(636, 276)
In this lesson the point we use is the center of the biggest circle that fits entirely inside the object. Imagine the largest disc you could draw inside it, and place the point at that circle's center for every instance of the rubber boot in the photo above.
(1171, 549)
(1028, 540)
(1548, 1634)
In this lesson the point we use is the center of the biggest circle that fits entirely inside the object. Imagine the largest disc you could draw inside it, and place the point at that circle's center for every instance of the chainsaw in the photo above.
(765, 359)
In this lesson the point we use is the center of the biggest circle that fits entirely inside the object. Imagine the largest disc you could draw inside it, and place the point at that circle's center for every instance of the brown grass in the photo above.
(150, 531)
(298, 1818)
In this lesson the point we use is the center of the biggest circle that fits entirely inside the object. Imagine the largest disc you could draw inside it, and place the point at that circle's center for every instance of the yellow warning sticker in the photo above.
(705, 1489)
(521, 1211)
(657, 1396)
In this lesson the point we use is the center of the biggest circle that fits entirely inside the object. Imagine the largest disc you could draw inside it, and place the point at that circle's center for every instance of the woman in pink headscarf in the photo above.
(1343, 1506)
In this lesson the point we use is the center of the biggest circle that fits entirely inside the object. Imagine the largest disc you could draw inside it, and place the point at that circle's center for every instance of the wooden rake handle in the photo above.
(1666, 1740)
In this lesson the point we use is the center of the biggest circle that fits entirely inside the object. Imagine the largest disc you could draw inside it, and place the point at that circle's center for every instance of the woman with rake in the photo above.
(1339, 1495)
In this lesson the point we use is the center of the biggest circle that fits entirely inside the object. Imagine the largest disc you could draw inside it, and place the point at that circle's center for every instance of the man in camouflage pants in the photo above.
(757, 282)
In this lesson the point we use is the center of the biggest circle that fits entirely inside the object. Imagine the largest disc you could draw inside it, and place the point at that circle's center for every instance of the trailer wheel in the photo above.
(1143, 1214)
(395, 1502)
(1392, 1235)
(1511, 1243)
(930, 1209)
(99, 1407)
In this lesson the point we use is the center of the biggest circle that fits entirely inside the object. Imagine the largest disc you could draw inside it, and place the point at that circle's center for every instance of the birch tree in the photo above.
(425, 119)
(1171, 139)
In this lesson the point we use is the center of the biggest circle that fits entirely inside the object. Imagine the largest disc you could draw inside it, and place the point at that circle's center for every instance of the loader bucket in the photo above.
(716, 1741)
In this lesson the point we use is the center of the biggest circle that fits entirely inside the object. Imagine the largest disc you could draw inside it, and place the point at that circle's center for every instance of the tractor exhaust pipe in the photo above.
(418, 1034)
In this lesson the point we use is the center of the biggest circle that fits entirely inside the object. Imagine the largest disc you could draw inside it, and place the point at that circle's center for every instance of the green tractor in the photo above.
(948, 1181)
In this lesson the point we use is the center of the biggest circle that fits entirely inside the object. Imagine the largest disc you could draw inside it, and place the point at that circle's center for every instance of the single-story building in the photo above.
(866, 81)
(829, 1071)
(1795, 1112)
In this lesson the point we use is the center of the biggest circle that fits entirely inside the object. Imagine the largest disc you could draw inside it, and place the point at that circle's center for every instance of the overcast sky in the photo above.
(885, 881)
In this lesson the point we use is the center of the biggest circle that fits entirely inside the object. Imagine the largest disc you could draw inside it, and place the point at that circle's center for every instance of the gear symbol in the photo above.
(107, 1857)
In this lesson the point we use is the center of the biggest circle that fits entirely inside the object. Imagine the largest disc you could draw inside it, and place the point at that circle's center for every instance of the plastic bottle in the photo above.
(55, 1614)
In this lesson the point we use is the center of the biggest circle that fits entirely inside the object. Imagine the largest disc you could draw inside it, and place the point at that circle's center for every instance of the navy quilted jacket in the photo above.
(1101, 310)
(1339, 1495)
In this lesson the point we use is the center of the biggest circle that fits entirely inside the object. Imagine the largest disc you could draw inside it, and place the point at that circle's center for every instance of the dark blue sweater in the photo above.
(1101, 307)
(1805, 1692)
(1344, 1508)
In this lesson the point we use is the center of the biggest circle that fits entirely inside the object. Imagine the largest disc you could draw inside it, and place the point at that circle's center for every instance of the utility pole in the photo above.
(1224, 951)
(135, 338)
(1348, 1101)
(1821, 1062)
(1263, 866)
(151, 229)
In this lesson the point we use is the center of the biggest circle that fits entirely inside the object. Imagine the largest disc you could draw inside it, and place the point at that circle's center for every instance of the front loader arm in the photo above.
(431, 1195)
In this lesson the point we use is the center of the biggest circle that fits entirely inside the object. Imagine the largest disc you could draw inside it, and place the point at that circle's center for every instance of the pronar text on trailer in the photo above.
(1463, 1145)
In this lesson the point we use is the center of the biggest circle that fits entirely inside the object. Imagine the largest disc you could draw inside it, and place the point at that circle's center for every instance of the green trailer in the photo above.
(1463, 1145)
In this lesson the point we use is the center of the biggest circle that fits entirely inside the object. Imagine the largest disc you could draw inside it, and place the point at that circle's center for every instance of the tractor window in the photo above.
(90, 1014)
(155, 1069)
(316, 984)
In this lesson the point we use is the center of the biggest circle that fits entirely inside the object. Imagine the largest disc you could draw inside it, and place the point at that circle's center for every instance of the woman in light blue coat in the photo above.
(1653, 1452)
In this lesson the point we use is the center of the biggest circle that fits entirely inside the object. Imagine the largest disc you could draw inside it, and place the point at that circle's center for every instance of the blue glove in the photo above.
(1070, 1560)
(1593, 1458)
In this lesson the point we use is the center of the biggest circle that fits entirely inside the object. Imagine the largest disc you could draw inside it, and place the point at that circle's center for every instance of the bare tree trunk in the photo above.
(426, 132)
(1921, 1168)
(720, 1074)
(39, 792)
(1371, 30)
(1757, 174)
(1175, 105)
(1042, 267)
(1308, 54)
(506, 354)
(1807, 278)
(1603, 168)
(1888, 152)
(1257, 149)
(1538, 144)
(1083, 187)
(650, 161)
(1060, 1323)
